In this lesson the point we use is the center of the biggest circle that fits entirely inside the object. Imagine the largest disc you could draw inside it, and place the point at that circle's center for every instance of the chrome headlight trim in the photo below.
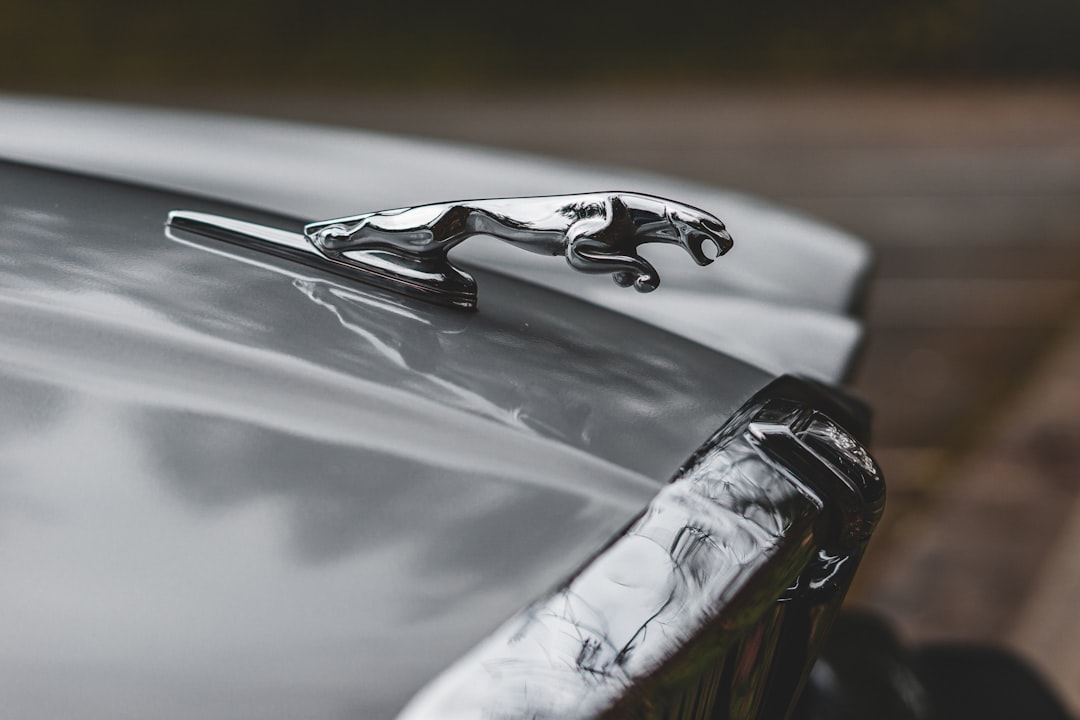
(719, 592)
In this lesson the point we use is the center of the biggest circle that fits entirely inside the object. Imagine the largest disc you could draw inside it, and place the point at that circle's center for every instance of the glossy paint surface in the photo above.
(779, 302)
(233, 487)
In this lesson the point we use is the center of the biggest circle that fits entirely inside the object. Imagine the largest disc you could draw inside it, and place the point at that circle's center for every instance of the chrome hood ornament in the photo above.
(405, 249)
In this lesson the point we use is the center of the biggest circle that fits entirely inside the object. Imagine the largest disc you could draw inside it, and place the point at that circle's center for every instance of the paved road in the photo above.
(972, 199)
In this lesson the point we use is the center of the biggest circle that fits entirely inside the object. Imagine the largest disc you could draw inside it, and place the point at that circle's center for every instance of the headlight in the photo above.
(717, 595)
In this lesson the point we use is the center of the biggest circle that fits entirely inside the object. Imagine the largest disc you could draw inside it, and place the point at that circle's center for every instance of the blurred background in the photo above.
(79, 45)
(945, 132)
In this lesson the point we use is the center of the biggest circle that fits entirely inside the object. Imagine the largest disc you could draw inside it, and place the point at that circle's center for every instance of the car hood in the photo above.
(231, 486)
(781, 300)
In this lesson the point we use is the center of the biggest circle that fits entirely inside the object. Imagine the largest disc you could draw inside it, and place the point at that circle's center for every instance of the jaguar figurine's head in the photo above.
(699, 233)
(611, 244)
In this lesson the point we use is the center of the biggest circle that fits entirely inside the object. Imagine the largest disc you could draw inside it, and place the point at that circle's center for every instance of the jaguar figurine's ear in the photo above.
(405, 250)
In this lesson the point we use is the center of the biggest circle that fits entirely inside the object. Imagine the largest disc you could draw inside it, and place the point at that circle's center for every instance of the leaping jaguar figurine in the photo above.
(404, 250)
(596, 232)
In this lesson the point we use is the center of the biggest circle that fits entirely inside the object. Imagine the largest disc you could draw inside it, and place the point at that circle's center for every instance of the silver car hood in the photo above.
(231, 486)
(780, 300)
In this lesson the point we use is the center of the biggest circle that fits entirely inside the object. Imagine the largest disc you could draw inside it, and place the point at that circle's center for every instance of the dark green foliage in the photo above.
(76, 43)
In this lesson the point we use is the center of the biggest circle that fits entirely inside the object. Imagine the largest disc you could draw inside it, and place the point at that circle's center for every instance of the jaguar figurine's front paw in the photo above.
(640, 282)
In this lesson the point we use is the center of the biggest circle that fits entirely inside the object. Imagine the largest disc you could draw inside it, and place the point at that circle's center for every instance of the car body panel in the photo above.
(237, 487)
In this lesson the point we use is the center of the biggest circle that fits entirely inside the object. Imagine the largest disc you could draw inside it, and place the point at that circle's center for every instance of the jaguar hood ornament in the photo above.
(405, 249)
